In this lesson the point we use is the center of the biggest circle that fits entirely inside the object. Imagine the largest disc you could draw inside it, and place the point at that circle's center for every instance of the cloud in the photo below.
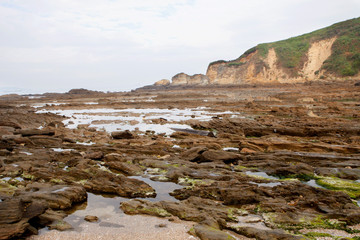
(119, 45)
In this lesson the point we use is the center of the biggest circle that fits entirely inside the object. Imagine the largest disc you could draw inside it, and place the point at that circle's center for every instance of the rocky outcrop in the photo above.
(184, 79)
(162, 82)
(322, 54)
(254, 67)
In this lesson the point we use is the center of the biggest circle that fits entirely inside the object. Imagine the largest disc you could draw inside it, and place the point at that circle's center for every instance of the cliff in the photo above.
(329, 53)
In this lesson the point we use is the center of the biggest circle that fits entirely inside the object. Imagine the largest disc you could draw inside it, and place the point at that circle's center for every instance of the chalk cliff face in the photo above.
(256, 68)
(328, 53)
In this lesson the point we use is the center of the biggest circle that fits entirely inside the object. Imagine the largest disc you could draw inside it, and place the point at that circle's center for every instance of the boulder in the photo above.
(90, 218)
(15, 214)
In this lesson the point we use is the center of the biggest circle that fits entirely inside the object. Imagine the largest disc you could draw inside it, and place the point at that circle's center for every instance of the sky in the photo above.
(119, 45)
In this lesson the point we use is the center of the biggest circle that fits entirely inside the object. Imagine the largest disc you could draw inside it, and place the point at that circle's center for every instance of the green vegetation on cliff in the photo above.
(345, 57)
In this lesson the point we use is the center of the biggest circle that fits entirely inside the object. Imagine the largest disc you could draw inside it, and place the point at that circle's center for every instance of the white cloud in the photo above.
(119, 44)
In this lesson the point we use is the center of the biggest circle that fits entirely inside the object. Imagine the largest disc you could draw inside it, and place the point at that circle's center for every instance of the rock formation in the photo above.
(330, 53)
(162, 82)
(184, 79)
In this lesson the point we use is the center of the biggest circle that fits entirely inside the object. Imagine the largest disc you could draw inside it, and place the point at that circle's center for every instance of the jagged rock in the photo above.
(193, 154)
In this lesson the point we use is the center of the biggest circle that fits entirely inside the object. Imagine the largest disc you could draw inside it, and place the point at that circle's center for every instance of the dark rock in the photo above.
(69, 140)
(161, 225)
(33, 132)
(122, 135)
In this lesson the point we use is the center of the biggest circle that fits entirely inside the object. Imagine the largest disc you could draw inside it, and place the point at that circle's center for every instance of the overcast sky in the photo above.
(118, 45)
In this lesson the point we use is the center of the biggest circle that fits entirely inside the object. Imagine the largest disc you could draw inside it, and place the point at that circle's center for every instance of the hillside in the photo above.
(329, 53)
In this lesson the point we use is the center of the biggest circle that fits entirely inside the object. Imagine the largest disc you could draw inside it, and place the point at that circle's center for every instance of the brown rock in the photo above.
(210, 233)
(129, 169)
(33, 132)
(10, 124)
(60, 225)
(58, 196)
(50, 216)
(123, 135)
(247, 150)
(90, 218)
(46, 141)
(193, 154)
(219, 156)
(5, 130)
(184, 79)
(94, 155)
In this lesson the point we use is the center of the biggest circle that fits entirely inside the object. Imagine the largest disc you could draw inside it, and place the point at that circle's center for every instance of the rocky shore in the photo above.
(242, 162)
